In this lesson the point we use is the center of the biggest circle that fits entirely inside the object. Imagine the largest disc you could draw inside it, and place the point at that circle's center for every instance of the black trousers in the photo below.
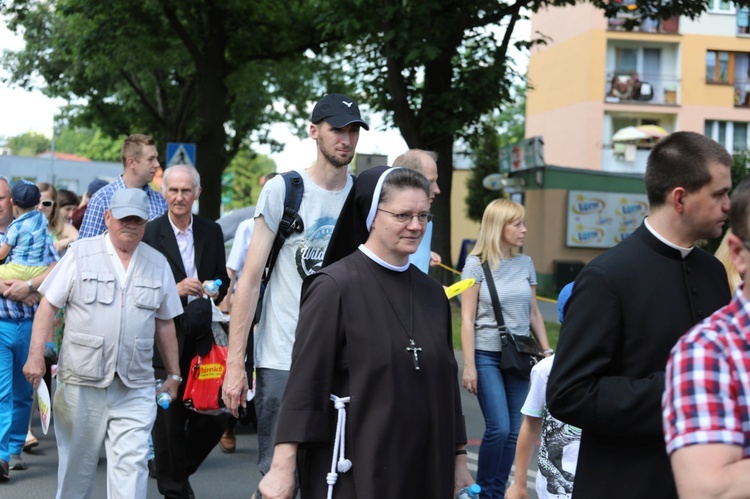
(182, 441)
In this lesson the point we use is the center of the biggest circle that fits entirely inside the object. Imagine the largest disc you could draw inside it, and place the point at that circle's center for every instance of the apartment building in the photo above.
(593, 78)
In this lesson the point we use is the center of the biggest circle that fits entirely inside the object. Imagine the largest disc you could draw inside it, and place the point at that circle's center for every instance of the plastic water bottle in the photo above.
(211, 287)
(470, 492)
(164, 398)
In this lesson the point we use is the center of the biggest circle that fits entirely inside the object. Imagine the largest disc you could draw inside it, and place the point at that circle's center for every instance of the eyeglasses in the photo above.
(47, 203)
(405, 218)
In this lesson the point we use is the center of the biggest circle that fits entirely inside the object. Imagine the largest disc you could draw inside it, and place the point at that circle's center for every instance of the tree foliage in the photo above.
(29, 144)
(241, 183)
(90, 143)
(196, 71)
(496, 130)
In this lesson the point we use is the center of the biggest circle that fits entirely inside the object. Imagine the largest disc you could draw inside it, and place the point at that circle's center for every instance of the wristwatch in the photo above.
(175, 377)
(31, 286)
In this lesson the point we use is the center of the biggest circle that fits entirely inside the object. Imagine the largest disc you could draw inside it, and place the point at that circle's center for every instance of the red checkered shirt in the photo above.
(707, 395)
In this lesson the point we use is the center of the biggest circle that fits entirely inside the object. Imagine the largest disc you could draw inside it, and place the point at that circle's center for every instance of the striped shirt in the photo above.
(29, 238)
(513, 280)
(707, 395)
(93, 221)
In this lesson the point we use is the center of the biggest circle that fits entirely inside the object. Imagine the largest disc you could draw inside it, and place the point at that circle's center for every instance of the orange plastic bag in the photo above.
(203, 387)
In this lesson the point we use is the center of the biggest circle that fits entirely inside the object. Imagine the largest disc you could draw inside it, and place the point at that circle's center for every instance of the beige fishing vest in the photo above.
(110, 330)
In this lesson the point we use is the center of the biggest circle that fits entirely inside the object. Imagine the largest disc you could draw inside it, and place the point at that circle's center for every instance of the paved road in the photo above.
(223, 475)
(548, 308)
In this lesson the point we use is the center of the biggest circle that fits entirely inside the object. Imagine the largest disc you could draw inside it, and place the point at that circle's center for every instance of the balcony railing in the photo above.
(648, 25)
(743, 21)
(742, 92)
(621, 162)
(630, 88)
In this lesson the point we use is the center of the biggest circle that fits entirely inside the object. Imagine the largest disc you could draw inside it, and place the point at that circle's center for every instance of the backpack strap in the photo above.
(290, 220)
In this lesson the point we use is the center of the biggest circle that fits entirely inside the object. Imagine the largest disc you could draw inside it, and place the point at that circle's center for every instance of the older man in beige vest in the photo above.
(120, 297)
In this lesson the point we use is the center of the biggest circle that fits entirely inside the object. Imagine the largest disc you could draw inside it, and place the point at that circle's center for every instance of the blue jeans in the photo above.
(15, 391)
(501, 397)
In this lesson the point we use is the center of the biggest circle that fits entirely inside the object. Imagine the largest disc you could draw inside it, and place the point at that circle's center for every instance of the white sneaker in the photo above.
(16, 463)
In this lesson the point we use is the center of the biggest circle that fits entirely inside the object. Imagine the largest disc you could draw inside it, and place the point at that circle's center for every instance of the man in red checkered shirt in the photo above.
(707, 398)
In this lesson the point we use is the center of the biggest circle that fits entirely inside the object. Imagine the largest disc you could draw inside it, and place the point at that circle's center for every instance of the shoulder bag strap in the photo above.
(493, 294)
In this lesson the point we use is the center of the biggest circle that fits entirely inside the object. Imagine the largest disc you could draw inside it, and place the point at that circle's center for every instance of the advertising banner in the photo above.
(603, 219)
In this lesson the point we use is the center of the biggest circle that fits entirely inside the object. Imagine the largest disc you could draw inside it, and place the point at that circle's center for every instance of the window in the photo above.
(731, 134)
(723, 6)
(719, 66)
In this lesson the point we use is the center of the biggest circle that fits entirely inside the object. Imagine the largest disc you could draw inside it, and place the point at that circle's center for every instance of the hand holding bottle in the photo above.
(211, 288)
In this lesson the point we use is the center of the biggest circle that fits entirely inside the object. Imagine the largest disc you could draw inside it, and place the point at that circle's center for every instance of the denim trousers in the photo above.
(269, 388)
(501, 397)
(15, 392)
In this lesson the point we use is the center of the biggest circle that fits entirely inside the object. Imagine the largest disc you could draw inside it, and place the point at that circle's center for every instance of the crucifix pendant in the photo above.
(414, 349)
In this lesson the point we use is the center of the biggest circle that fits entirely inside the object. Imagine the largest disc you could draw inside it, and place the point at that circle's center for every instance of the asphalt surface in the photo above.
(222, 475)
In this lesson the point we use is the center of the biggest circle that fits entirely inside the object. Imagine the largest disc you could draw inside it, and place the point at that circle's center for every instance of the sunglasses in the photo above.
(47, 203)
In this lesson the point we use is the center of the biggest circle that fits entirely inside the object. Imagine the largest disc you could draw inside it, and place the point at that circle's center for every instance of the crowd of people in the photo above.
(357, 393)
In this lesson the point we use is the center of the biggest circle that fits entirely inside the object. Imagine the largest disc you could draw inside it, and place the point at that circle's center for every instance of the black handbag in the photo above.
(519, 353)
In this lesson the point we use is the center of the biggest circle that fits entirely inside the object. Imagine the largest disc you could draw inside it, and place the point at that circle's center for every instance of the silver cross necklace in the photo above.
(412, 348)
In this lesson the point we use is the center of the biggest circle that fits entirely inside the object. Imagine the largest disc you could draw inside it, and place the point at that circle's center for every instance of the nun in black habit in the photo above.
(373, 353)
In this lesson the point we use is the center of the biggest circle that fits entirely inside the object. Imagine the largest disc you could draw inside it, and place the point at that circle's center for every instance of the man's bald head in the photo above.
(425, 162)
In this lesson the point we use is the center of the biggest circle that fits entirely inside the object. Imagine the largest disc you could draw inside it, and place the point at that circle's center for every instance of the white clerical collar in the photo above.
(177, 230)
(683, 251)
(375, 258)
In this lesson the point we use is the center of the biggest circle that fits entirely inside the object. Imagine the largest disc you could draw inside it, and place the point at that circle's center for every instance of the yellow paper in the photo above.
(459, 287)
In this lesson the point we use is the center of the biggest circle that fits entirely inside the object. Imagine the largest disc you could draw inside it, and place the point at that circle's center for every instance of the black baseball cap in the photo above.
(338, 110)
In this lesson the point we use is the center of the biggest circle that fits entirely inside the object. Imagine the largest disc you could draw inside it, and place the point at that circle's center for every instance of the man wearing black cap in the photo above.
(335, 126)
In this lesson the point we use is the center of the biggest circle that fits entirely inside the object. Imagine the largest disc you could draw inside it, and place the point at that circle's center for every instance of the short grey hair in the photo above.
(192, 171)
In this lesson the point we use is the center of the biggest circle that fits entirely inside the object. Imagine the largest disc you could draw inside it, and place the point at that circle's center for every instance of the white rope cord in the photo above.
(338, 461)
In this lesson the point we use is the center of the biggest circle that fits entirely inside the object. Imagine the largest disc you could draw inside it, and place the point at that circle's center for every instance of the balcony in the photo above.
(648, 25)
(615, 159)
(743, 21)
(742, 92)
(657, 89)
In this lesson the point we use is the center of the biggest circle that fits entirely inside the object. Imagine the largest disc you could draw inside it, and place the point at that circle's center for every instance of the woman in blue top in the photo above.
(501, 395)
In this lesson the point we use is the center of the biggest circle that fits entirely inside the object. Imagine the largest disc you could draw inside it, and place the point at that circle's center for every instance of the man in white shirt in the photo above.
(120, 298)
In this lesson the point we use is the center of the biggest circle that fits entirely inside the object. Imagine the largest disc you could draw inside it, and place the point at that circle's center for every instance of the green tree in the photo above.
(90, 143)
(183, 71)
(29, 144)
(243, 178)
(499, 129)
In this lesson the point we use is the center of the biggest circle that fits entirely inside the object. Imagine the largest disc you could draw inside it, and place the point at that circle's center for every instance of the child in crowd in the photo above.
(558, 452)
(27, 240)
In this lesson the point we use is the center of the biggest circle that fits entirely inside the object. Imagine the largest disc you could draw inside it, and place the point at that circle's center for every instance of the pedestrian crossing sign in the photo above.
(180, 153)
